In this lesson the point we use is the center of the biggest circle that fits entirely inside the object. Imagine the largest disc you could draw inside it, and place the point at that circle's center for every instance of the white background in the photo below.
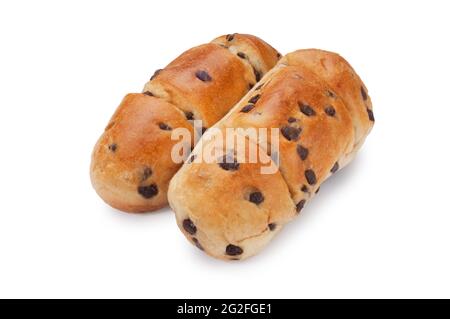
(379, 228)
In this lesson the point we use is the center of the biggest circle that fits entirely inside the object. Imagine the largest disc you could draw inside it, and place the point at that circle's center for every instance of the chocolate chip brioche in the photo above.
(131, 163)
(231, 209)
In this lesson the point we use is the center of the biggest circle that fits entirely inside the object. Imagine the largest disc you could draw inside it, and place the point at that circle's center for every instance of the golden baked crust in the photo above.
(259, 54)
(202, 83)
(343, 80)
(131, 163)
(319, 116)
(219, 208)
(206, 80)
(296, 101)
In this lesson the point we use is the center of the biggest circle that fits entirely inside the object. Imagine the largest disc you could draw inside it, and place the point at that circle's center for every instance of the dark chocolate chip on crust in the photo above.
(164, 127)
(370, 113)
(230, 37)
(203, 76)
(254, 99)
(307, 110)
(146, 173)
(256, 198)
(302, 152)
(242, 55)
(247, 108)
(272, 226)
(363, 94)
(229, 164)
(292, 120)
(197, 243)
(291, 133)
(233, 250)
(310, 177)
(192, 158)
(330, 111)
(189, 115)
(189, 226)
(278, 55)
(330, 93)
(250, 86)
(112, 147)
(259, 86)
(300, 205)
(148, 191)
(304, 189)
(149, 93)
(335, 168)
(155, 74)
(257, 74)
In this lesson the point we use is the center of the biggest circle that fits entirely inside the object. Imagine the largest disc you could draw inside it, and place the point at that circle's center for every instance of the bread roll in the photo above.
(323, 113)
(131, 163)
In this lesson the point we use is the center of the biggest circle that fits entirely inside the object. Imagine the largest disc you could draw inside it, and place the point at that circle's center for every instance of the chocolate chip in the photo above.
(192, 158)
(148, 191)
(247, 108)
(304, 189)
(242, 55)
(330, 93)
(155, 74)
(230, 37)
(250, 86)
(306, 109)
(259, 86)
(302, 152)
(197, 243)
(233, 250)
(370, 113)
(363, 94)
(310, 177)
(272, 226)
(189, 226)
(148, 93)
(278, 55)
(164, 127)
(256, 198)
(203, 76)
(254, 99)
(330, 111)
(229, 164)
(292, 120)
(189, 115)
(146, 173)
(317, 190)
(112, 147)
(335, 168)
(290, 133)
(257, 74)
(300, 205)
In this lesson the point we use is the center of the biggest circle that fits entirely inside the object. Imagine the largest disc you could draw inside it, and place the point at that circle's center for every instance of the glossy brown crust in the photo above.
(260, 55)
(336, 72)
(135, 152)
(326, 138)
(316, 117)
(134, 143)
(208, 100)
